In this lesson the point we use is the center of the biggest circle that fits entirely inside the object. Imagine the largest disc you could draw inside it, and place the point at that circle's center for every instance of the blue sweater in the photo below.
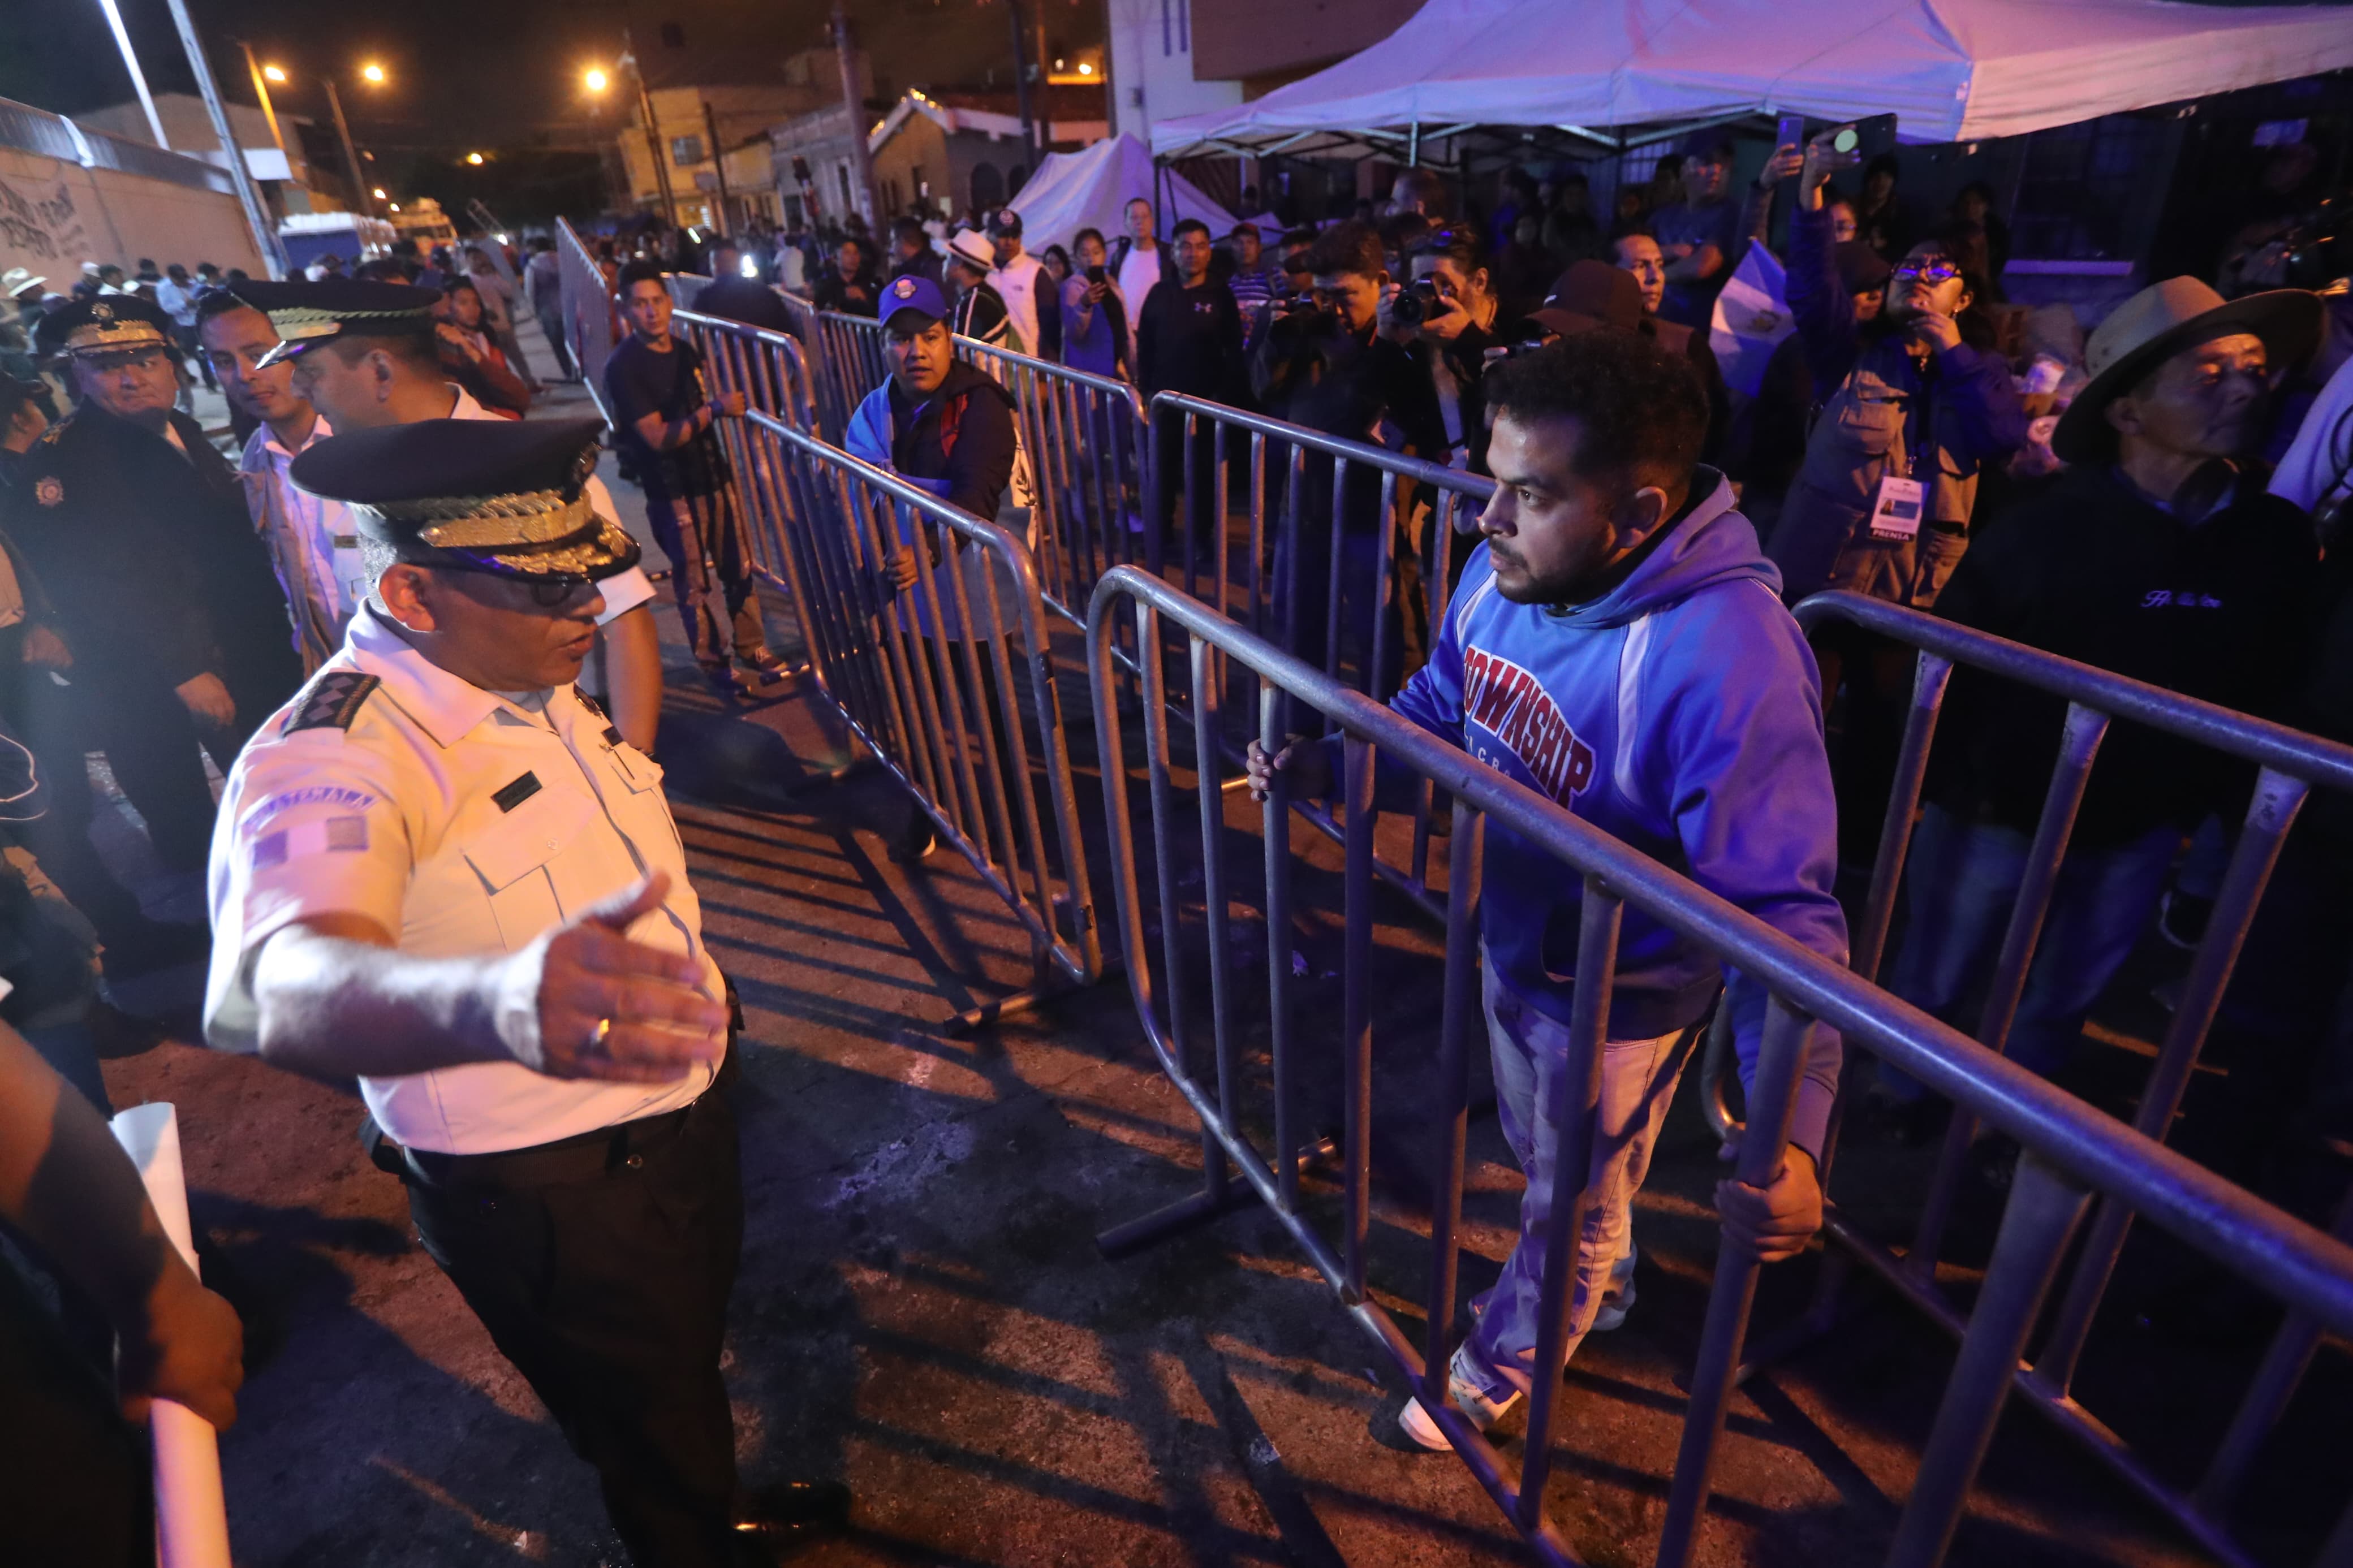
(1681, 713)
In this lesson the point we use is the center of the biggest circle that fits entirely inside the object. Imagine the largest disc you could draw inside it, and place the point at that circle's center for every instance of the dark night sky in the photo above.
(468, 73)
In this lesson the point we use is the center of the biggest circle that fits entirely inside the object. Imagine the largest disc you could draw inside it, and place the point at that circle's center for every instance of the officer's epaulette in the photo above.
(333, 701)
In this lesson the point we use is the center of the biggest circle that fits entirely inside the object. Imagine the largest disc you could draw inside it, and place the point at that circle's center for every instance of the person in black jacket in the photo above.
(2158, 556)
(173, 621)
(732, 297)
(1189, 339)
(848, 288)
(1331, 369)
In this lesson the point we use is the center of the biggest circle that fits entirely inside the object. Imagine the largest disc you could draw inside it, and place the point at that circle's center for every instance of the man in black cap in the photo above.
(364, 356)
(1017, 277)
(174, 630)
(442, 871)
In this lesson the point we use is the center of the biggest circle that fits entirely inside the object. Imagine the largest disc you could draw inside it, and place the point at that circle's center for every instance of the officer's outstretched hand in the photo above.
(616, 1009)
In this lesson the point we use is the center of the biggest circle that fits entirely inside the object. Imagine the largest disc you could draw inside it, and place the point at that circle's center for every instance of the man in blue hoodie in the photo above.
(1617, 643)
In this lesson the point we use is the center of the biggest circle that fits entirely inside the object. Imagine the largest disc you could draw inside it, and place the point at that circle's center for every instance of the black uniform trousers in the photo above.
(602, 1266)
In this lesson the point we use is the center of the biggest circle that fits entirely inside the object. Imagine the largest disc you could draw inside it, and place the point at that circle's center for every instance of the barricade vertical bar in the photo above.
(1279, 937)
(1156, 483)
(1463, 1014)
(1782, 1054)
(2274, 1383)
(2079, 746)
(1356, 1025)
(1930, 676)
(1163, 847)
(1335, 579)
(1384, 591)
(2041, 1217)
(2270, 814)
(1575, 1113)
(1206, 717)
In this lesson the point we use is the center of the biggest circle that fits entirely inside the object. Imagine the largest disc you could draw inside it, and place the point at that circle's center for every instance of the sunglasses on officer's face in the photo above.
(546, 592)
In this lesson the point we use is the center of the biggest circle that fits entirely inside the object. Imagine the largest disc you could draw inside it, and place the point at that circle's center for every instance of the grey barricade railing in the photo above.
(1363, 589)
(925, 678)
(846, 352)
(1083, 439)
(767, 368)
(587, 311)
(2290, 763)
(2071, 1150)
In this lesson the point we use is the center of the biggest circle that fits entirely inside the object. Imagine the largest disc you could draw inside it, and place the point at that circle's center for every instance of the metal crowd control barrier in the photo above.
(925, 678)
(2290, 764)
(1367, 590)
(587, 302)
(2072, 1152)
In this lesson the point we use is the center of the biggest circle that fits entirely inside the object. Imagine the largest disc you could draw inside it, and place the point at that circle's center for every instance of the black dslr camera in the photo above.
(1414, 303)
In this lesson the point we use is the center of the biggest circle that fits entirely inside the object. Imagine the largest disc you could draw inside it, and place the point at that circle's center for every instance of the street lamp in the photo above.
(372, 74)
(273, 74)
(379, 193)
(474, 158)
(594, 79)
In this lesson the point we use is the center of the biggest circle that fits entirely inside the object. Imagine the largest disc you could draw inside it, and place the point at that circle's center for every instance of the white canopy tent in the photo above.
(1595, 71)
(1092, 188)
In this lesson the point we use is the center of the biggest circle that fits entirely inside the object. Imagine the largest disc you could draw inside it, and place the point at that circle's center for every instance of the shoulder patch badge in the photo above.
(333, 701)
(50, 489)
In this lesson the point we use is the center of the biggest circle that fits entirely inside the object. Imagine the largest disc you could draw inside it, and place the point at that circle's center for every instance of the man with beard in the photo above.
(1618, 645)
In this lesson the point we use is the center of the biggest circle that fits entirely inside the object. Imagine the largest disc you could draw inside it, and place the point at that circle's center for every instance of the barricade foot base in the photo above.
(1197, 1209)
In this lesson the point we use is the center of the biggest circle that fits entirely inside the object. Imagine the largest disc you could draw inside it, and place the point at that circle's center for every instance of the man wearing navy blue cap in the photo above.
(946, 427)
(442, 871)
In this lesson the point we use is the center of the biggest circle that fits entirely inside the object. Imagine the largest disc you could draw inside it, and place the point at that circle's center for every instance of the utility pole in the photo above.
(248, 195)
(268, 111)
(861, 158)
(1021, 85)
(718, 161)
(363, 194)
(653, 134)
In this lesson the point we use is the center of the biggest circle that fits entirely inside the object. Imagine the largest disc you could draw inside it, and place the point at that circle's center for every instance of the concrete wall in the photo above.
(1239, 39)
(55, 215)
(1152, 74)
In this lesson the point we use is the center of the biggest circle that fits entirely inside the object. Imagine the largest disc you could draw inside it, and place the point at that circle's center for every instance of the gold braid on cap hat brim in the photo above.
(119, 332)
(483, 522)
(297, 323)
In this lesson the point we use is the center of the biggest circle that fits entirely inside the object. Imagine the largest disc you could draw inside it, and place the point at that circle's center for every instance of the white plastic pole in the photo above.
(191, 1514)
(138, 76)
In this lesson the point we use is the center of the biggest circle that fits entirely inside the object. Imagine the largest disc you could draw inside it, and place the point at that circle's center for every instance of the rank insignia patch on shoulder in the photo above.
(333, 701)
(50, 489)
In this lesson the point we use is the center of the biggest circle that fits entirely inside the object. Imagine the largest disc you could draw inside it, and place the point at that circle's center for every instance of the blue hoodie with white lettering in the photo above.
(1680, 712)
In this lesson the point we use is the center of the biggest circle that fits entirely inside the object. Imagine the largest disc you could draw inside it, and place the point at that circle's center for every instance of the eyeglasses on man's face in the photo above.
(1938, 271)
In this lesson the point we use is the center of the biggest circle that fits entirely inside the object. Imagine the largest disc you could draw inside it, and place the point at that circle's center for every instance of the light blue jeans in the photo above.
(1530, 1051)
(1960, 884)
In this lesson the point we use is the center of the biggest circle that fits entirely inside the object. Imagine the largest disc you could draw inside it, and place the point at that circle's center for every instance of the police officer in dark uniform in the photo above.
(444, 871)
(174, 625)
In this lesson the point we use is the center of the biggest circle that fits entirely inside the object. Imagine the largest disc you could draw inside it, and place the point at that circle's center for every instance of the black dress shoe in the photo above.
(784, 1511)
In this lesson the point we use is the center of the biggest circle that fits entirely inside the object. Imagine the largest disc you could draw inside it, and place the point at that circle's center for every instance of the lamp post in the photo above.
(653, 134)
(249, 194)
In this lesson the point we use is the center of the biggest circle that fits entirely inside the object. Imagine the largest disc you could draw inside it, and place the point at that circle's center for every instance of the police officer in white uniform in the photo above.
(379, 369)
(441, 870)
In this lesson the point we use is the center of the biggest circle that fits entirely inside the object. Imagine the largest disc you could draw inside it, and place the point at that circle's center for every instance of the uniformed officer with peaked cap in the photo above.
(163, 594)
(441, 870)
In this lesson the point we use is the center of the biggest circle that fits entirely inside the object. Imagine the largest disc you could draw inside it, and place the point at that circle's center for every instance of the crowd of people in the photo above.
(409, 631)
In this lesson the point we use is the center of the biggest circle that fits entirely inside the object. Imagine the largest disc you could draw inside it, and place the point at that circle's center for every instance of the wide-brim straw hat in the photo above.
(2158, 323)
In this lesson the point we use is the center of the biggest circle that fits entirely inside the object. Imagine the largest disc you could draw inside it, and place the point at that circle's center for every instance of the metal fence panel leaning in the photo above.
(926, 676)
(2073, 1153)
(587, 311)
(2290, 765)
(1348, 547)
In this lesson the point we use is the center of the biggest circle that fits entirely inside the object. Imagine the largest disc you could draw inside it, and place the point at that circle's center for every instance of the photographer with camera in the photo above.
(1330, 368)
(1446, 317)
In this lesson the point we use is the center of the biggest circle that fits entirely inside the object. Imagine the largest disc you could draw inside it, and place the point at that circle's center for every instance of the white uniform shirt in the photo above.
(1139, 274)
(464, 825)
(623, 591)
(1017, 285)
(313, 542)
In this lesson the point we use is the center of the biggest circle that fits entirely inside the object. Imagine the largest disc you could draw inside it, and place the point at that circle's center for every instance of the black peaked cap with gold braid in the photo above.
(308, 314)
(503, 496)
(107, 324)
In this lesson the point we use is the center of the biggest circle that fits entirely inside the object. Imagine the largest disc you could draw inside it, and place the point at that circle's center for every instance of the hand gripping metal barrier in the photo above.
(926, 676)
(1349, 563)
(2290, 764)
(2071, 1150)
(587, 311)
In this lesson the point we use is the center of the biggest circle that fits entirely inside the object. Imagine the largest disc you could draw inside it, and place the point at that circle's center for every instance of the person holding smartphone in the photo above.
(1094, 312)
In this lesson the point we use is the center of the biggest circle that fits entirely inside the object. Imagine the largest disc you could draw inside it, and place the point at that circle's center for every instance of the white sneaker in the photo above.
(1469, 1398)
(1619, 1299)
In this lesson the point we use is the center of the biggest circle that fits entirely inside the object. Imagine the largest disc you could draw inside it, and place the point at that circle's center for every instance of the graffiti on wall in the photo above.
(49, 228)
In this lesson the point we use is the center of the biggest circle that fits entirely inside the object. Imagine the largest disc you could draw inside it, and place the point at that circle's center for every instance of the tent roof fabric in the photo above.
(1950, 71)
(1091, 189)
